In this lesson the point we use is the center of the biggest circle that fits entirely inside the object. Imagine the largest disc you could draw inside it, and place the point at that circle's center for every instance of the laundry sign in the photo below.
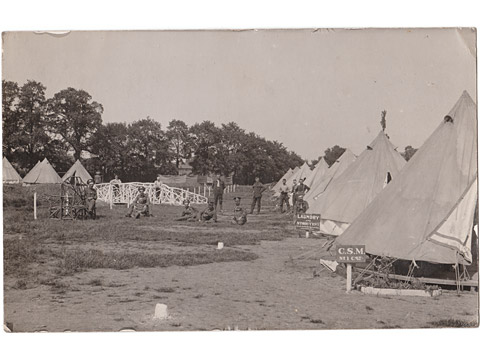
(351, 254)
(307, 222)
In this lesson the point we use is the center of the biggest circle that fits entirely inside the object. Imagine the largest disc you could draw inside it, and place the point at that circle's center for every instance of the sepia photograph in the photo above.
(253, 179)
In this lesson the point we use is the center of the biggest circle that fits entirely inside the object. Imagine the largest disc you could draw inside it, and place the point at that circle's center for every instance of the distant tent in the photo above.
(42, 173)
(10, 175)
(301, 173)
(280, 182)
(316, 173)
(427, 212)
(77, 170)
(349, 194)
(334, 171)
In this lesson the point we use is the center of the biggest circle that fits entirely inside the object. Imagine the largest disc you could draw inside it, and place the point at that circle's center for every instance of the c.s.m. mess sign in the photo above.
(351, 254)
(307, 221)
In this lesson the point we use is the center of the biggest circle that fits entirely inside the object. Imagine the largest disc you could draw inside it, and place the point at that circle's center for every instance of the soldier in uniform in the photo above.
(158, 186)
(258, 189)
(141, 205)
(90, 198)
(239, 213)
(284, 190)
(209, 213)
(218, 188)
(301, 206)
(294, 196)
(189, 212)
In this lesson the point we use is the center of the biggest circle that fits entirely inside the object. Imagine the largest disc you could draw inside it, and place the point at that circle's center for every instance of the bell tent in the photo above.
(317, 173)
(427, 212)
(77, 170)
(42, 173)
(10, 175)
(348, 195)
(334, 171)
(280, 182)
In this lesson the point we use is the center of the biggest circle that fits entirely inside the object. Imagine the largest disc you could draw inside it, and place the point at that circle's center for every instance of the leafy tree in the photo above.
(205, 139)
(10, 99)
(409, 152)
(32, 136)
(74, 118)
(333, 153)
(179, 140)
(110, 146)
(147, 151)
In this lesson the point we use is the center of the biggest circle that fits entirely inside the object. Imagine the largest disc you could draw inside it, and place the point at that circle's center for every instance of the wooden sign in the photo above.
(307, 222)
(351, 254)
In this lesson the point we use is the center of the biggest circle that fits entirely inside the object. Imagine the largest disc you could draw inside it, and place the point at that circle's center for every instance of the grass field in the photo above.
(108, 274)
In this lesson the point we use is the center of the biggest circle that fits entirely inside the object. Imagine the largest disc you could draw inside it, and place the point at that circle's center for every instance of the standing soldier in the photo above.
(218, 187)
(158, 186)
(98, 177)
(294, 197)
(301, 188)
(209, 213)
(284, 191)
(258, 189)
(239, 213)
(91, 197)
(116, 185)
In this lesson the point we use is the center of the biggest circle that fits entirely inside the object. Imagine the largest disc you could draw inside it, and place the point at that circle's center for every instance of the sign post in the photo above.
(350, 254)
(307, 222)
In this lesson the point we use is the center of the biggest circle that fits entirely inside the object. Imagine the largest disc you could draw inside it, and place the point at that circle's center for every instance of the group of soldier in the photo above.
(297, 192)
(141, 204)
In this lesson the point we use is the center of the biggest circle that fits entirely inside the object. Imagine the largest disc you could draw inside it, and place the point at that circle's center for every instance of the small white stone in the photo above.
(220, 246)
(161, 311)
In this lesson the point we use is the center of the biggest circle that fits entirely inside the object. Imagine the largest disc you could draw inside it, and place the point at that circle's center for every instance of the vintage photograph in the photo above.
(257, 179)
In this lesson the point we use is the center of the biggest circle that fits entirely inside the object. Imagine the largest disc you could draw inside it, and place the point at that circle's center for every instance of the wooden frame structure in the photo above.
(125, 193)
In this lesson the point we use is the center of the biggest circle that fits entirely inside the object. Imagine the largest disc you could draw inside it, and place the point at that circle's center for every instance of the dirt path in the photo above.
(273, 292)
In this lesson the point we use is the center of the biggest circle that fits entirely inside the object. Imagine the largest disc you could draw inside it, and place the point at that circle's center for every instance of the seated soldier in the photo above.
(209, 213)
(239, 213)
(301, 206)
(141, 205)
(189, 212)
(90, 198)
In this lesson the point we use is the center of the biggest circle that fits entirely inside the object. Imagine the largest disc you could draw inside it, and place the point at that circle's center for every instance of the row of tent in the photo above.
(42, 173)
(422, 210)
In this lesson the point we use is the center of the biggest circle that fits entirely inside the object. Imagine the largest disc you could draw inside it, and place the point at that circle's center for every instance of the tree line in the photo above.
(68, 126)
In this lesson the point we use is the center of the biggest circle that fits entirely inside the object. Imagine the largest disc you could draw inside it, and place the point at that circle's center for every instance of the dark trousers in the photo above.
(257, 200)
(284, 199)
(218, 198)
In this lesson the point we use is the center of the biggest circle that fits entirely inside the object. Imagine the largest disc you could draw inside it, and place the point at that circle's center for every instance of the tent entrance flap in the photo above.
(455, 231)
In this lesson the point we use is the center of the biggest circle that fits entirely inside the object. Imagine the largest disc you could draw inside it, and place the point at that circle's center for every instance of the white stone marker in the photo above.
(161, 312)
(220, 246)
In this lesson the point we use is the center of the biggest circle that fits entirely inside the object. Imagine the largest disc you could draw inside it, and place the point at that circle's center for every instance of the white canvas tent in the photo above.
(302, 173)
(77, 170)
(42, 173)
(286, 176)
(10, 175)
(316, 173)
(348, 195)
(334, 171)
(426, 213)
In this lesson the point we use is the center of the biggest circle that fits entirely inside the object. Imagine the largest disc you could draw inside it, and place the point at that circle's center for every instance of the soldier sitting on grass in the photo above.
(141, 205)
(209, 213)
(239, 213)
(189, 213)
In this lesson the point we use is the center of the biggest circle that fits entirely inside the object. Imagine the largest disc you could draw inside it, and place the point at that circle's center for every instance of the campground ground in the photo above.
(108, 275)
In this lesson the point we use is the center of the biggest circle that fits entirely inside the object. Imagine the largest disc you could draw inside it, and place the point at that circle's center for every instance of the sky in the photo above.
(309, 89)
